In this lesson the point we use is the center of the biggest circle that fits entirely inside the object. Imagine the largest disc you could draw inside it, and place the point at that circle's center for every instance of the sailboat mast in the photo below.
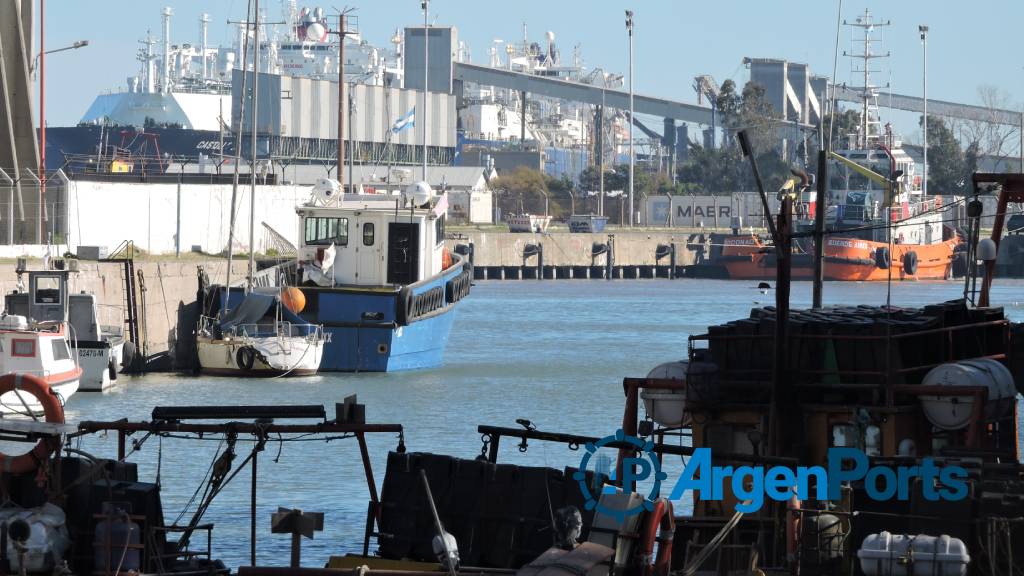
(243, 45)
(252, 170)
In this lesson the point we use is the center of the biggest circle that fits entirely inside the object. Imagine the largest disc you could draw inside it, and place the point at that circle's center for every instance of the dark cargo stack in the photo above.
(498, 513)
(853, 345)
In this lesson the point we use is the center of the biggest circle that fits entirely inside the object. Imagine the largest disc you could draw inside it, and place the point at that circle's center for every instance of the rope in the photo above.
(713, 544)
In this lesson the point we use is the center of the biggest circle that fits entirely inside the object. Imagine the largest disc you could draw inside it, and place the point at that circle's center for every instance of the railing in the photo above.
(312, 332)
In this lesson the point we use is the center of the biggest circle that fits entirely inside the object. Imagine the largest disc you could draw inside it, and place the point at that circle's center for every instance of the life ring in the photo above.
(910, 263)
(53, 411)
(792, 527)
(660, 526)
(245, 357)
(882, 258)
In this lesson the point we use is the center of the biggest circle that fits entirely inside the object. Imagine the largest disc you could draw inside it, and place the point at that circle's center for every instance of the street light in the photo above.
(924, 43)
(629, 133)
(78, 44)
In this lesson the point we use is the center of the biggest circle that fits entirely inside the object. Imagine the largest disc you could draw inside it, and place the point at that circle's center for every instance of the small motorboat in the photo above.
(40, 349)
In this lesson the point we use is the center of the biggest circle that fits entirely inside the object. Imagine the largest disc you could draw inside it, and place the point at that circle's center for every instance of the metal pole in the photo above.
(629, 133)
(341, 97)
(177, 227)
(252, 494)
(252, 170)
(426, 82)
(924, 43)
(42, 118)
(600, 206)
(819, 228)
(351, 142)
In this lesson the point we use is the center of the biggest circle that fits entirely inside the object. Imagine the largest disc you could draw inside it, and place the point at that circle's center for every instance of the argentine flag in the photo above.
(405, 122)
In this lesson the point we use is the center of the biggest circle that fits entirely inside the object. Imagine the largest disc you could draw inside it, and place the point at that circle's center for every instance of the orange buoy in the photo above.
(446, 259)
(293, 299)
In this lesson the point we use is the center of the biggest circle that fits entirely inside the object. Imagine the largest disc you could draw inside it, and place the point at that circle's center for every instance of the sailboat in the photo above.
(257, 333)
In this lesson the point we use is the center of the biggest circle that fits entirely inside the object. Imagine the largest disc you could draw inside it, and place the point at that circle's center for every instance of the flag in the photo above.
(442, 205)
(404, 122)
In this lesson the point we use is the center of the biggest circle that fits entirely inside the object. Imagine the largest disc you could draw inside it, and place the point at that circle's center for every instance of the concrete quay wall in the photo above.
(632, 248)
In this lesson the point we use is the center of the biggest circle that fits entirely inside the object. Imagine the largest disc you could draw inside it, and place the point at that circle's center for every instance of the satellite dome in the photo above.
(418, 192)
(316, 32)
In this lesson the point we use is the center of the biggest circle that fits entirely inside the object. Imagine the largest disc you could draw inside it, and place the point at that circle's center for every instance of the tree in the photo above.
(989, 137)
(947, 167)
(520, 189)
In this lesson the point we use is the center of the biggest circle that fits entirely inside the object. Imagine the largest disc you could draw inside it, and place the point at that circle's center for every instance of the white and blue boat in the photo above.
(374, 271)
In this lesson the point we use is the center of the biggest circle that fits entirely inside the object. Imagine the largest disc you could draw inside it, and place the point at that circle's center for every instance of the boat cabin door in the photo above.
(403, 252)
(48, 295)
(369, 252)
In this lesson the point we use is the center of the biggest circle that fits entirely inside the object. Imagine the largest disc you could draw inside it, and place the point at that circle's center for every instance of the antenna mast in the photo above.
(870, 126)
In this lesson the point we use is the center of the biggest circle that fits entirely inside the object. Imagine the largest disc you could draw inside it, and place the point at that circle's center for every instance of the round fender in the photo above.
(245, 357)
(910, 263)
(882, 257)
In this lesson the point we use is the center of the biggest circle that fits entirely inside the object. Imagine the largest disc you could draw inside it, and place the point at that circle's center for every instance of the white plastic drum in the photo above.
(954, 412)
(667, 407)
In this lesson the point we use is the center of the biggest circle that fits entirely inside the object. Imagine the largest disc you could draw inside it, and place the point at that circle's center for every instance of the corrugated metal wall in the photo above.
(306, 108)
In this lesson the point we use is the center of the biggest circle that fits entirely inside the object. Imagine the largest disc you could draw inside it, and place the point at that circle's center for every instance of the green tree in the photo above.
(948, 171)
(520, 189)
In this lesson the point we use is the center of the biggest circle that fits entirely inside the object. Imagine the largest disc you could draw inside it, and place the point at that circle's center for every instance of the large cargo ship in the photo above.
(178, 107)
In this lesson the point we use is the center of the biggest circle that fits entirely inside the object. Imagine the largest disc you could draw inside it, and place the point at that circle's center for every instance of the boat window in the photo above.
(47, 290)
(23, 347)
(439, 229)
(368, 234)
(60, 350)
(322, 230)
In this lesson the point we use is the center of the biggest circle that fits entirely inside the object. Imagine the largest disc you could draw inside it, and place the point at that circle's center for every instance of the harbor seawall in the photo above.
(635, 254)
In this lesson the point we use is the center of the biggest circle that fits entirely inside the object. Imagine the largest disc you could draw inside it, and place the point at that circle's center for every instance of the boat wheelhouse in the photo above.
(375, 273)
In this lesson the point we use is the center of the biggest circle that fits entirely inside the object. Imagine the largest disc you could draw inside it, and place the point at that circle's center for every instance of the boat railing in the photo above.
(885, 365)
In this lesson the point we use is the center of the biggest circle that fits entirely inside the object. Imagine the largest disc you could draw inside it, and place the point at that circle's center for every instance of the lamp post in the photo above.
(426, 82)
(39, 63)
(924, 43)
(629, 133)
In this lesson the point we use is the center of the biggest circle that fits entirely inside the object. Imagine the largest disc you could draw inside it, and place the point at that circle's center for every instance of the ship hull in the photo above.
(846, 259)
(365, 333)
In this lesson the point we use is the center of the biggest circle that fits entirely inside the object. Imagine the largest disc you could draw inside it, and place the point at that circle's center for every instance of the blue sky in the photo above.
(969, 44)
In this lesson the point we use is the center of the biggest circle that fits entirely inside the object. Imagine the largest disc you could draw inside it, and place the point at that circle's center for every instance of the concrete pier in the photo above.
(635, 254)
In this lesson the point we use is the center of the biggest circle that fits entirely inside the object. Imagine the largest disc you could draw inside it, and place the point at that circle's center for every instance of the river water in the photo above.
(554, 352)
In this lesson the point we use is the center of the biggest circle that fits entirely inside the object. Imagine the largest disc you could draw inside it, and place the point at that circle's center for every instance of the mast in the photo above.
(243, 46)
(341, 97)
(426, 83)
(252, 171)
(165, 79)
(869, 129)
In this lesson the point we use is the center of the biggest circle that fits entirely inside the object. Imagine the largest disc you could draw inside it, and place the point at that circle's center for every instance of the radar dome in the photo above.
(316, 32)
(326, 191)
(418, 192)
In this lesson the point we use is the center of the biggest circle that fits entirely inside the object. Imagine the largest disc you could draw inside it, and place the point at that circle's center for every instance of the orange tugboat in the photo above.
(879, 223)
(868, 242)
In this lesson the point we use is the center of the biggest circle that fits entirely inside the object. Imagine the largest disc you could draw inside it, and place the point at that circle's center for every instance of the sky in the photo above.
(969, 44)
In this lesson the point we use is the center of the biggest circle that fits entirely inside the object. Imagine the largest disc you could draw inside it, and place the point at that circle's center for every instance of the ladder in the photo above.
(125, 254)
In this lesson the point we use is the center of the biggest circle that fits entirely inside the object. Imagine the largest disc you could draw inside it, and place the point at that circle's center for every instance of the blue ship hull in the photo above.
(368, 331)
(380, 329)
